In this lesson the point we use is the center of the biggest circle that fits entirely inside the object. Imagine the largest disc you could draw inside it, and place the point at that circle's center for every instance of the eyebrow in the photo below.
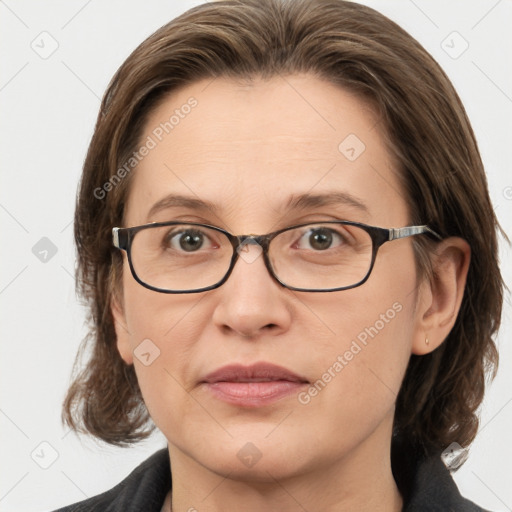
(307, 201)
(295, 202)
(177, 201)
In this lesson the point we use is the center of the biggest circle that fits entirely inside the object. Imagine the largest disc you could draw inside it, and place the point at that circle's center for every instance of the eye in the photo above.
(320, 239)
(189, 240)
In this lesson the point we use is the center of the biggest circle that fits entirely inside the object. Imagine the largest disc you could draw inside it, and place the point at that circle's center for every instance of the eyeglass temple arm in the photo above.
(115, 238)
(395, 233)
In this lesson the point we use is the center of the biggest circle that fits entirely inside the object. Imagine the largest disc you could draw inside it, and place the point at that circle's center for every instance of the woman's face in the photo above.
(248, 152)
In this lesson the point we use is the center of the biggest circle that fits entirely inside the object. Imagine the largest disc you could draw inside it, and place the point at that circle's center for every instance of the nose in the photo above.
(251, 302)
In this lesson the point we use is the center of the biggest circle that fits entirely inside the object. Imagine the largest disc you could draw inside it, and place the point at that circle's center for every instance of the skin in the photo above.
(247, 148)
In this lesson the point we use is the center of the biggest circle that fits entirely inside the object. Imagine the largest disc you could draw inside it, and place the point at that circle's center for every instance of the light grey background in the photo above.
(48, 107)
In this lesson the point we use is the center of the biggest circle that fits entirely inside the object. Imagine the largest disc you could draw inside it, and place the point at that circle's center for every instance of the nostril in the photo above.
(270, 327)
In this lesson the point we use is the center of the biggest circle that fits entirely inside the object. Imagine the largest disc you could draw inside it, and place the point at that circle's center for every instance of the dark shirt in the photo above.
(426, 486)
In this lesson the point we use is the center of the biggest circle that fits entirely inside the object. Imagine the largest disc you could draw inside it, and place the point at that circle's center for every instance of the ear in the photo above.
(439, 300)
(122, 332)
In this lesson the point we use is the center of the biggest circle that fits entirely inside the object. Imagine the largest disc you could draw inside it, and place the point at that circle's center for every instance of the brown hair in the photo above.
(356, 48)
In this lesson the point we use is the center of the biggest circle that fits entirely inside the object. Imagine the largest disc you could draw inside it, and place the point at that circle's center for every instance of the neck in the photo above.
(361, 480)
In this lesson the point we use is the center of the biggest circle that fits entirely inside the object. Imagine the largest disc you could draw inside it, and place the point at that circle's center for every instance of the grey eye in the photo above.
(190, 240)
(319, 239)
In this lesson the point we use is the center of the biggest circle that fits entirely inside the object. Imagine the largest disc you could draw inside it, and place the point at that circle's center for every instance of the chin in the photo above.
(266, 470)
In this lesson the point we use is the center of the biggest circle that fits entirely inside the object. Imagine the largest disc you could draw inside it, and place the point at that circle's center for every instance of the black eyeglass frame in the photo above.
(122, 239)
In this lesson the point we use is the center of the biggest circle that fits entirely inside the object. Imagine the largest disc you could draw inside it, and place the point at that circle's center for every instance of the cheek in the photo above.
(155, 316)
(361, 362)
(367, 343)
(160, 331)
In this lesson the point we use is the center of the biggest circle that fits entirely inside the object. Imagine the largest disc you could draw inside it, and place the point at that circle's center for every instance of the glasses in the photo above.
(176, 257)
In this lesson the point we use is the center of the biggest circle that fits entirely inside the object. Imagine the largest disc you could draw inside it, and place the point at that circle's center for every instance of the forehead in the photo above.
(249, 148)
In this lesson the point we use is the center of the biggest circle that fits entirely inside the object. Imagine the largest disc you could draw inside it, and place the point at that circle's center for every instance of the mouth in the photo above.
(253, 386)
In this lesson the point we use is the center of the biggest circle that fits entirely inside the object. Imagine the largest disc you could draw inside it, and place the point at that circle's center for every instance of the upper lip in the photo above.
(259, 372)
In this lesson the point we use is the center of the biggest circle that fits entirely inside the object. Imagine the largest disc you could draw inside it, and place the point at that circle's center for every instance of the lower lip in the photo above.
(253, 394)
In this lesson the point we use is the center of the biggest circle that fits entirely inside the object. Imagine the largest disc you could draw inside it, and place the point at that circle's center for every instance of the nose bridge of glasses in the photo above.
(249, 248)
(244, 241)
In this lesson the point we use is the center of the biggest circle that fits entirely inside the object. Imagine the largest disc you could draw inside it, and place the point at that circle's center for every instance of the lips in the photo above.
(253, 386)
(260, 372)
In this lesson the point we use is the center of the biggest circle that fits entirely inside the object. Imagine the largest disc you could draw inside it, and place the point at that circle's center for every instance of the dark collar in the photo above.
(425, 484)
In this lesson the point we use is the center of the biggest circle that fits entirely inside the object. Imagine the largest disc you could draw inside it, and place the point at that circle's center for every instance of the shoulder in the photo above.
(143, 490)
(435, 489)
(426, 484)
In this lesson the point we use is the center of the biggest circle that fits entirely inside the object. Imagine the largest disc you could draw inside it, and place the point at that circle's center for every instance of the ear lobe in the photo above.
(122, 333)
(439, 300)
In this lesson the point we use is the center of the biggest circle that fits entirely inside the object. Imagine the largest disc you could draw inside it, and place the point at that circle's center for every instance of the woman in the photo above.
(286, 240)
